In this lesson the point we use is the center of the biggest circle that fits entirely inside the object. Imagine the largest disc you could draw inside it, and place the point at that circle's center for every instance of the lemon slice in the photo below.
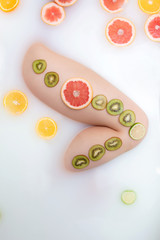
(15, 102)
(46, 128)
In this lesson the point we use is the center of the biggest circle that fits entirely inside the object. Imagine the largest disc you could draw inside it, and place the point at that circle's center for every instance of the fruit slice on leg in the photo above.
(39, 66)
(112, 6)
(65, 3)
(76, 93)
(80, 161)
(115, 107)
(120, 32)
(113, 144)
(99, 102)
(149, 6)
(51, 79)
(127, 118)
(8, 5)
(96, 152)
(15, 102)
(52, 14)
(152, 27)
(137, 131)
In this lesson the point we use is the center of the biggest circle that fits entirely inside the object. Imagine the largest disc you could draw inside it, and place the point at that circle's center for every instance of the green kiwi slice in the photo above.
(99, 102)
(115, 107)
(96, 152)
(51, 79)
(127, 118)
(80, 161)
(113, 144)
(39, 66)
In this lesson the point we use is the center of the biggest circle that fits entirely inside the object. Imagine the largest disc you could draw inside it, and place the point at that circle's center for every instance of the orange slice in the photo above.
(8, 5)
(113, 6)
(152, 27)
(15, 102)
(149, 6)
(46, 128)
(120, 32)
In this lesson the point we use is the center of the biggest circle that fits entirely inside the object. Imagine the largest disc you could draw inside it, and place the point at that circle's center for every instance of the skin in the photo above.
(104, 127)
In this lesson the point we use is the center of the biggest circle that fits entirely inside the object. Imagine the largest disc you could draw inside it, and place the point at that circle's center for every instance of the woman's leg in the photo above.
(119, 126)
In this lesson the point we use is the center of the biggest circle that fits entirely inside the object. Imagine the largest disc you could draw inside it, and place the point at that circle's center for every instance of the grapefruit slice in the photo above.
(152, 27)
(52, 14)
(9, 5)
(76, 93)
(65, 3)
(120, 32)
(113, 6)
(149, 6)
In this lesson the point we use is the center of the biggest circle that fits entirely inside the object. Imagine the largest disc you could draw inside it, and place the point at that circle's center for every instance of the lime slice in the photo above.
(128, 197)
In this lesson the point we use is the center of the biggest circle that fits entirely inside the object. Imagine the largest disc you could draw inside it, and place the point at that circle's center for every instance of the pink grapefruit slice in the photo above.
(65, 3)
(120, 32)
(77, 93)
(152, 27)
(113, 6)
(52, 14)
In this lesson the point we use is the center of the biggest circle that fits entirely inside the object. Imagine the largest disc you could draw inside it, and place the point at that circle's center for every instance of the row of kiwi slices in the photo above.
(127, 118)
(114, 107)
(96, 152)
(51, 79)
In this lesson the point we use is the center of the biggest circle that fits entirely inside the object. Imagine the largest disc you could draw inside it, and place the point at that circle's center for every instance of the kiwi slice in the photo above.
(115, 107)
(39, 66)
(96, 152)
(51, 79)
(80, 161)
(113, 144)
(137, 131)
(99, 102)
(127, 118)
